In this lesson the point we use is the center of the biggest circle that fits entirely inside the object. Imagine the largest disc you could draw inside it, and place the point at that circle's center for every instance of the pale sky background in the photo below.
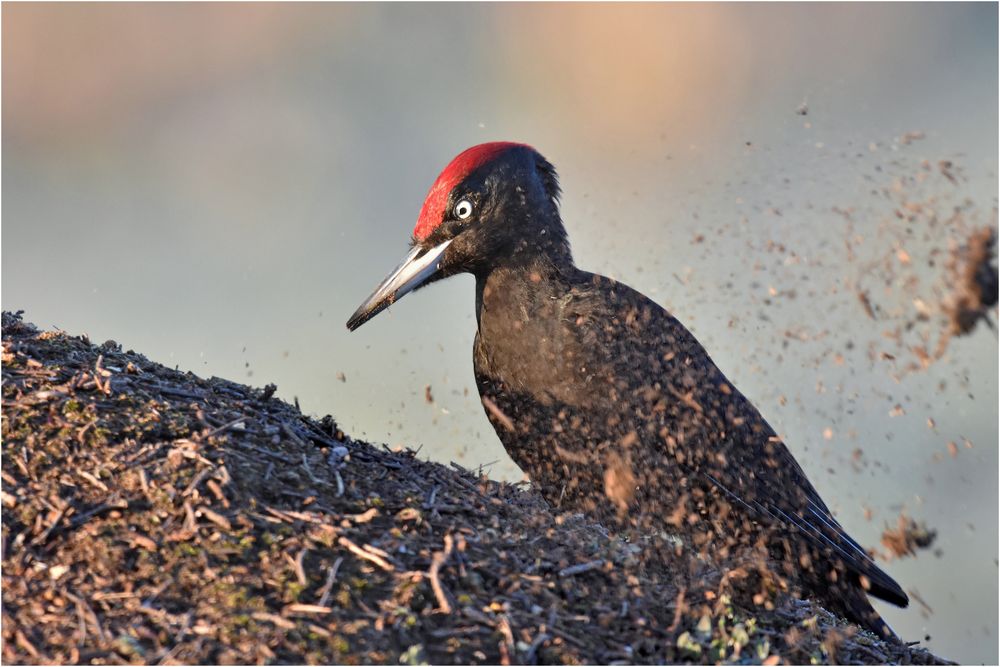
(219, 186)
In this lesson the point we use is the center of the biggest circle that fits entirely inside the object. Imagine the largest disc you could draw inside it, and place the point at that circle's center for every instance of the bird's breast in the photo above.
(531, 351)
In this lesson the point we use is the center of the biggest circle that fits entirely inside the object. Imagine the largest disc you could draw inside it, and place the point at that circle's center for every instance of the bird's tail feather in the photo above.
(881, 585)
(858, 609)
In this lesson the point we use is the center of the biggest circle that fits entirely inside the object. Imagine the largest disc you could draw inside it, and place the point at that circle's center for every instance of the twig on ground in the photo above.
(292, 434)
(331, 577)
(437, 561)
(581, 568)
(361, 553)
(300, 571)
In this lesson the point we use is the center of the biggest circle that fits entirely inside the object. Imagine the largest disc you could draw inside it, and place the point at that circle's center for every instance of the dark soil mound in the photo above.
(151, 516)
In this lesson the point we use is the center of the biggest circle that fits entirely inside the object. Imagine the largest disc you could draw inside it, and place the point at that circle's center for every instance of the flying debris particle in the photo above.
(897, 411)
(803, 109)
(428, 396)
(952, 449)
(497, 413)
(976, 282)
(828, 433)
(909, 137)
(945, 167)
(619, 482)
(857, 457)
(916, 596)
(907, 537)
(341, 376)
(866, 304)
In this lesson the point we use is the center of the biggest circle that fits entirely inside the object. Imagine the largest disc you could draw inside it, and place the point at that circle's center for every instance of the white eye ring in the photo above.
(463, 209)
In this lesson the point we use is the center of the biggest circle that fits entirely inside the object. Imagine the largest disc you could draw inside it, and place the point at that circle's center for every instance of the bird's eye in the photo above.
(463, 209)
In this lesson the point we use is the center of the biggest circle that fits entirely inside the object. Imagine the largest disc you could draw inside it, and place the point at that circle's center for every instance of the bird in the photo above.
(606, 401)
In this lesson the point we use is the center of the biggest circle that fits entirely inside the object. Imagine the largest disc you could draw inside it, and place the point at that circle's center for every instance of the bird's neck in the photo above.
(528, 244)
(522, 285)
(532, 265)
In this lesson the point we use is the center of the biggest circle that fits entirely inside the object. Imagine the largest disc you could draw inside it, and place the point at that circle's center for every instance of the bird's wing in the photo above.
(731, 445)
(784, 494)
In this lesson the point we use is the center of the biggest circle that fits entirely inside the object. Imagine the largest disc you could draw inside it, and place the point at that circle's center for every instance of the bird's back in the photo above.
(613, 407)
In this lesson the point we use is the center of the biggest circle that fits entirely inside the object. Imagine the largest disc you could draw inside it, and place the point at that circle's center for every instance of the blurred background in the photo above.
(218, 186)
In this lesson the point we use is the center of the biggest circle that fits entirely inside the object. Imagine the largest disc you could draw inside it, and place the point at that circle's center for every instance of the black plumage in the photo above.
(610, 405)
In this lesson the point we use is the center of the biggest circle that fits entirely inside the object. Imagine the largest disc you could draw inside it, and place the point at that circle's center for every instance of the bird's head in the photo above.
(495, 203)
